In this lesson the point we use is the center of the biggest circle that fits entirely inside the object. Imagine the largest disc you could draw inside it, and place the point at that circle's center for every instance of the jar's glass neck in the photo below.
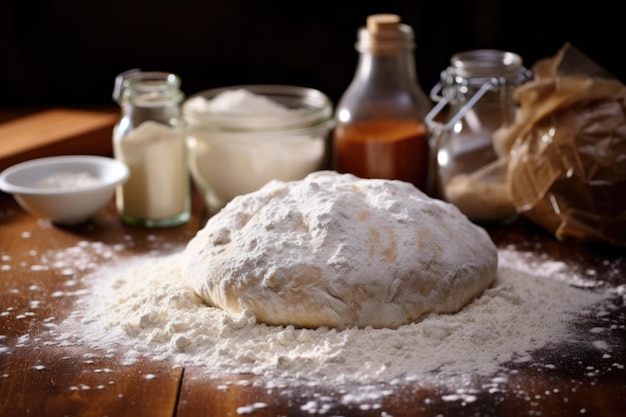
(146, 96)
(479, 66)
(148, 89)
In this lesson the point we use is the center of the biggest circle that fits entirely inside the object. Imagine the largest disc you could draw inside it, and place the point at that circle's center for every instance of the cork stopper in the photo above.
(384, 34)
(382, 22)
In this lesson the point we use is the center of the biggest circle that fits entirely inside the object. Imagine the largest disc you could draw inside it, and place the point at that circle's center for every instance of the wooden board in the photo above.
(56, 132)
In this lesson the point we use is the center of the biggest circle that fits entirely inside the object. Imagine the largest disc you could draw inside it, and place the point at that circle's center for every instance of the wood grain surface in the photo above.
(42, 379)
(55, 131)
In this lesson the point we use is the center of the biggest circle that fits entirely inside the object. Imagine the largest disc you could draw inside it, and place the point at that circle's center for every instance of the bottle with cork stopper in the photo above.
(380, 130)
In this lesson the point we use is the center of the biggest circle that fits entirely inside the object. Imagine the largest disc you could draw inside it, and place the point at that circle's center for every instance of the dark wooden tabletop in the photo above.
(40, 378)
(47, 379)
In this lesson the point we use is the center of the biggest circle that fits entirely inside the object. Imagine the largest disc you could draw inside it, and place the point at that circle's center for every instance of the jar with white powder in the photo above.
(241, 137)
(150, 139)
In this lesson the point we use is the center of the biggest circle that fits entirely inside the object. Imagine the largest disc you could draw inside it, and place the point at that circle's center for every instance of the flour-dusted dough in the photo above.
(339, 251)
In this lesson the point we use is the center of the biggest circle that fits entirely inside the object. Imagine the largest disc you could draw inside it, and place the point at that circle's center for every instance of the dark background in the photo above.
(68, 52)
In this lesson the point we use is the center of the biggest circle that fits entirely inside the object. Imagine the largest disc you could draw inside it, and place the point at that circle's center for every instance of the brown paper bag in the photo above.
(567, 150)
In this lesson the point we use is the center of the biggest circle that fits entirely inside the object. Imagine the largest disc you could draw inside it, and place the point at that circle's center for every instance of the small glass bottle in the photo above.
(478, 91)
(150, 139)
(380, 130)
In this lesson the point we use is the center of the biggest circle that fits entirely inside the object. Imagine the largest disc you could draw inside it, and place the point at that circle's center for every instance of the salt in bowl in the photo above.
(67, 190)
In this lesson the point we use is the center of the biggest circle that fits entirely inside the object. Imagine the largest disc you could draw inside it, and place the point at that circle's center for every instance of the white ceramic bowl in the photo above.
(65, 189)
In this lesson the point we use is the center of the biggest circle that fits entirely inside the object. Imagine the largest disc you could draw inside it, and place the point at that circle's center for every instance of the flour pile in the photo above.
(147, 308)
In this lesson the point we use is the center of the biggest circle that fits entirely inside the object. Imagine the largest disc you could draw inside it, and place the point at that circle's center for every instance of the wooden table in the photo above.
(40, 379)
(43, 380)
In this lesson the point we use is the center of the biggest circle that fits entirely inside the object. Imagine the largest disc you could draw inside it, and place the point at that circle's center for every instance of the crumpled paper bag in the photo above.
(567, 150)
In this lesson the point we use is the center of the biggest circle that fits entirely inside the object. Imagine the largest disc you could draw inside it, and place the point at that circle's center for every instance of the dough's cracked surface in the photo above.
(339, 251)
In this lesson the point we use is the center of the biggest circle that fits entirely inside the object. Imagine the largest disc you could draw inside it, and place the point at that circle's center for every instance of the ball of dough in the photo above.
(339, 251)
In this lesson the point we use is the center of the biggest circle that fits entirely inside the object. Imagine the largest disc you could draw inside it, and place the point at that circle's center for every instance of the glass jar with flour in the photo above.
(150, 139)
(241, 137)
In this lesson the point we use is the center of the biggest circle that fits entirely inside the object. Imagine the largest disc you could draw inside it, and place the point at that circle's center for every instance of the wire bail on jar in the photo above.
(487, 68)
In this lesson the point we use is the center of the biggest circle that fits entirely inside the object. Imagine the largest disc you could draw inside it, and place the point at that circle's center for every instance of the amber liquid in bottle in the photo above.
(380, 149)
(381, 130)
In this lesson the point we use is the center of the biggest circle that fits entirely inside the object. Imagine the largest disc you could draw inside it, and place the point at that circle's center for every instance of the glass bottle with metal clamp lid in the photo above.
(150, 139)
(478, 91)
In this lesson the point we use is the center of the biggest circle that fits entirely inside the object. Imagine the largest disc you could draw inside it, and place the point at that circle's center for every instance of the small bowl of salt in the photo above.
(67, 190)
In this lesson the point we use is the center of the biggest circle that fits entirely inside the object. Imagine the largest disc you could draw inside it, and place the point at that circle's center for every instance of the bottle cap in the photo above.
(382, 22)
(384, 34)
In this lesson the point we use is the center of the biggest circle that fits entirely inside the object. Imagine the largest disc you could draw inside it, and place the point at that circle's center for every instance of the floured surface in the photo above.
(59, 366)
(146, 309)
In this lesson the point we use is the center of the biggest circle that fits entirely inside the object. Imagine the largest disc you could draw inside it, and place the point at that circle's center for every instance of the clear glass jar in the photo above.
(150, 139)
(380, 131)
(241, 137)
(478, 91)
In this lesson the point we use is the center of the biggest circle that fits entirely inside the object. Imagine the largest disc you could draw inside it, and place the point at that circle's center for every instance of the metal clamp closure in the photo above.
(488, 84)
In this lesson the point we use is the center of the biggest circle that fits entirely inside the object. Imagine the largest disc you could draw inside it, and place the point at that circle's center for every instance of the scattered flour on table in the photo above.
(141, 308)
(147, 308)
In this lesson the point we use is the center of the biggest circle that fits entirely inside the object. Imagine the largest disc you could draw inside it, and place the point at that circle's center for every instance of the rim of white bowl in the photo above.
(119, 173)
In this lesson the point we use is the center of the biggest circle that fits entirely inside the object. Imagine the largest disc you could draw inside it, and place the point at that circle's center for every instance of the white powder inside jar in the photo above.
(238, 101)
(244, 156)
(148, 309)
(157, 186)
